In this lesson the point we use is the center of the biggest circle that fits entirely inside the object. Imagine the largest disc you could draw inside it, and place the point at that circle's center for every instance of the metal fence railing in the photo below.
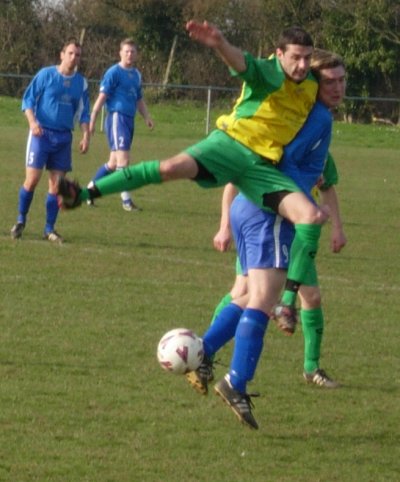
(354, 109)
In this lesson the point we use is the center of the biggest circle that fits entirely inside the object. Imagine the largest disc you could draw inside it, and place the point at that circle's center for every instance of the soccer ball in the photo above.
(180, 351)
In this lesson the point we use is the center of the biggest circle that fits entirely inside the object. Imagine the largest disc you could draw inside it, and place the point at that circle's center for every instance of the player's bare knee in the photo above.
(310, 297)
(240, 287)
(321, 217)
(314, 215)
(30, 185)
(314, 300)
(167, 169)
(263, 302)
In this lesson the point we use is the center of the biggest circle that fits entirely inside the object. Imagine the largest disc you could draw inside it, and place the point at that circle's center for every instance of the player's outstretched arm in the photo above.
(210, 36)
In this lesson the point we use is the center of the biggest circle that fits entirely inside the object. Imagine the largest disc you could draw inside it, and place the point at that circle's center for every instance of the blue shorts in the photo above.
(262, 239)
(119, 131)
(51, 150)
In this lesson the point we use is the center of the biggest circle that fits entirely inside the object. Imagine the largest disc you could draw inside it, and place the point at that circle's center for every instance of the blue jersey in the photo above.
(304, 158)
(123, 88)
(58, 101)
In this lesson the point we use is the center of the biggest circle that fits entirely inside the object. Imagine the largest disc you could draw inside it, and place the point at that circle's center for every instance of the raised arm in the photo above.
(210, 36)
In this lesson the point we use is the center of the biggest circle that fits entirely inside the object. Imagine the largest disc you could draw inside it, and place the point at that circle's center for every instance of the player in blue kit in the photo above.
(263, 242)
(55, 99)
(121, 91)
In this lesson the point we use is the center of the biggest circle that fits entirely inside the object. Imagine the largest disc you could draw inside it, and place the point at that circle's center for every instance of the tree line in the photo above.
(365, 32)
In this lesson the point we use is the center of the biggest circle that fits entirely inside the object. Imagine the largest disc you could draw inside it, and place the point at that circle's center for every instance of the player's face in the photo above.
(295, 61)
(332, 86)
(128, 55)
(70, 58)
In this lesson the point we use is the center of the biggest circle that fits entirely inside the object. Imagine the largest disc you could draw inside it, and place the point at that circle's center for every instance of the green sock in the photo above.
(225, 300)
(312, 322)
(132, 177)
(302, 257)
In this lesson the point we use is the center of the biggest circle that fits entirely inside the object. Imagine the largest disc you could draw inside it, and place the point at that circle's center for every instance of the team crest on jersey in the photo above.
(67, 83)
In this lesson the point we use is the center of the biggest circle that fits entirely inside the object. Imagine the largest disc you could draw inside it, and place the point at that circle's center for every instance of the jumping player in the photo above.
(277, 95)
(263, 240)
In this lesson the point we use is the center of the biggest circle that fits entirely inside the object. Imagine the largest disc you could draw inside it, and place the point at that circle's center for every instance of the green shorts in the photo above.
(229, 161)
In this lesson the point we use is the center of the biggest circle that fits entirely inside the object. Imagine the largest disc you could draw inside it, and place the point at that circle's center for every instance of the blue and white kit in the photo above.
(123, 88)
(58, 102)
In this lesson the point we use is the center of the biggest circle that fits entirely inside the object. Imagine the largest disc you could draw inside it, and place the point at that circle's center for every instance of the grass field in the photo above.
(82, 397)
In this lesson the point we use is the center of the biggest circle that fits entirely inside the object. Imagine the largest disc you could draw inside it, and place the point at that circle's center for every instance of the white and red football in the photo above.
(180, 351)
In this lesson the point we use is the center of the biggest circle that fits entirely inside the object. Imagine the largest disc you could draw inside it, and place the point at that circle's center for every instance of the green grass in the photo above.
(82, 397)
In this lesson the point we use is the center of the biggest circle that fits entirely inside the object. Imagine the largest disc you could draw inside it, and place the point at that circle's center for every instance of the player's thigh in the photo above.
(121, 158)
(299, 209)
(60, 155)
(112, 161)
(239, 287)
(38, 150)
(265, 286)
(181, 166)
(32, 178)
(220, 158)
(54, 176)
(262, 179)
(266, 238)
(119, 131)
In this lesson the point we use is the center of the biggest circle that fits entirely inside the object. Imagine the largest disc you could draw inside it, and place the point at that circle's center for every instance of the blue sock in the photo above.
(51, 212)
(24, 203)
(223, 329)
(102, 172)
(249, 341)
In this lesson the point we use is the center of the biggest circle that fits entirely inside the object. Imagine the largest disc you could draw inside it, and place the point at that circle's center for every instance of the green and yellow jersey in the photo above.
(271, 108)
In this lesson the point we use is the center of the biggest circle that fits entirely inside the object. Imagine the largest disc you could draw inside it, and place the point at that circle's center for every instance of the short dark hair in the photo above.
(294, 36)
(71, 41)
(324, 59)
(128, 41)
